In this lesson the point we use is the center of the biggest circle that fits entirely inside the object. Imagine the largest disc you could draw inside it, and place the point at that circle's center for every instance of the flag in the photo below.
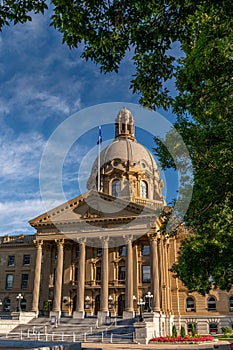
(100, 136)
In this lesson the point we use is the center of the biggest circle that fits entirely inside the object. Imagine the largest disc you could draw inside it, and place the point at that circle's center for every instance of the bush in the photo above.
(174, 331)
(193, 330)
(182, 332)
(226, 330)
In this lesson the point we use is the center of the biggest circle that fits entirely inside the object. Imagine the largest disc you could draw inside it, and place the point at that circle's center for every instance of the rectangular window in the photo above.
(146, 276)
(122, 250)
(26, 260)
(99, 252)
(146, 250)
(121, 272)
(98, 273)
(24, 281)
(9, 281)
(11, 260)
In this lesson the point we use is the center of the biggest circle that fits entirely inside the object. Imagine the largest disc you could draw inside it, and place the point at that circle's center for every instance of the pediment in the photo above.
(89, 206)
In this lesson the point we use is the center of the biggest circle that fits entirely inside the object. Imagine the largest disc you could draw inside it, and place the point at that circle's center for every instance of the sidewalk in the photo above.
(223, 345)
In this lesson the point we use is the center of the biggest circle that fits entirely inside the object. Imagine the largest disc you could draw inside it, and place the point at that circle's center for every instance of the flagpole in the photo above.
(98, 187)
(99, 145)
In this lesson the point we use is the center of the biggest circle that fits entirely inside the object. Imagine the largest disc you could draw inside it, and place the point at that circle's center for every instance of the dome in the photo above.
(128, 151)
(126, 168)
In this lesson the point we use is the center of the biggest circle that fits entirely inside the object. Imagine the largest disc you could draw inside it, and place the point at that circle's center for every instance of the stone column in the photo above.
(80, 312)
(104, 283)
(155, 273)
(36, 286)
(129, 311)
(58, 283)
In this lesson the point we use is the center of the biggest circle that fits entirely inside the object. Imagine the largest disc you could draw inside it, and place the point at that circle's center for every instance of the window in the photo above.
(11, 260)
(146, 250)
(24, 281)
(7, 305)
(191, 327)
(116, 188)
(190, 305)
(146, 276)
(98, 273)
(9, 281)
(211, 304)
(99, 252)
(213, 328)
(231, 303)
(23, 304)
(143, 189)
(121, 273)
(122, 250)
(26, 260)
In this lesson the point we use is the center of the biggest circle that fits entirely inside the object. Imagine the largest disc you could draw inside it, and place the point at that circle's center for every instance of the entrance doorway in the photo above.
(121, 304)
(74, 303)
(97, 304)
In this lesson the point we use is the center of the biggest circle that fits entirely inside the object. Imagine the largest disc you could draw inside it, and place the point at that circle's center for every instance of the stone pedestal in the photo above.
(102, 317)
(128, 314)
(79, 315)
(56, 314)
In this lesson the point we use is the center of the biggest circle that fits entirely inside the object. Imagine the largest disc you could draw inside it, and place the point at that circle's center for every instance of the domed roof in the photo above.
(125, 149)
(128, 150)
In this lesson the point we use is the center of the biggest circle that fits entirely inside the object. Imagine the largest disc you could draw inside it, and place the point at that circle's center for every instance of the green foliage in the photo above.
(182, 332)
(174, 331)
(184, 43)
(18, 11)
(193, 330)
(227, 330)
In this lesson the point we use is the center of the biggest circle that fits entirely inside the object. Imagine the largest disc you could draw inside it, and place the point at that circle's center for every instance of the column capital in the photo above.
(155, 237)
(38, 243)
(60, 242)
(128, 238)
(81, 240)
(104, 240)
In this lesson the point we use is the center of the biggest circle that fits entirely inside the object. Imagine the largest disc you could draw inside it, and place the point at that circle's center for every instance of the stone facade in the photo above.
(101, 252)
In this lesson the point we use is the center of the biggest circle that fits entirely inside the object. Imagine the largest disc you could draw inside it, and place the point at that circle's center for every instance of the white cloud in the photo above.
(16, 214)
(19, 157)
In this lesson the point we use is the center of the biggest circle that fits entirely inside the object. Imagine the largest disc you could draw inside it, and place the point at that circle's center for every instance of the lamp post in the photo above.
(19, 298)
(140, 304)
(87, 300)
(149, 295)
(134, 299)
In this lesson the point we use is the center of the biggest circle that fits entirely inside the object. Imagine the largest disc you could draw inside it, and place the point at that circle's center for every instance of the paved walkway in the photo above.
(224, 345)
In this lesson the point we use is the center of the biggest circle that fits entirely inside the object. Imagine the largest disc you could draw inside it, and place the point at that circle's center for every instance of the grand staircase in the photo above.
(72, 330)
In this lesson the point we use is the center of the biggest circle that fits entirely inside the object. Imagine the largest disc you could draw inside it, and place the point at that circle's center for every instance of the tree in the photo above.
(202, 74)
(174, 331)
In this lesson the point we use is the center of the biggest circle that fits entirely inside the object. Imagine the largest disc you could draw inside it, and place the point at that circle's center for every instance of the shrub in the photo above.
(182, 332)
(193, 330)
(174, 331)
(226, 330)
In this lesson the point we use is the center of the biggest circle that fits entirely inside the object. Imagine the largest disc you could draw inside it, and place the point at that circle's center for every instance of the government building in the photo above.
(102, 253)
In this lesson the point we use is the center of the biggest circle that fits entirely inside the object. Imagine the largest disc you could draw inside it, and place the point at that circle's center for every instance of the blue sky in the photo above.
(42, 84)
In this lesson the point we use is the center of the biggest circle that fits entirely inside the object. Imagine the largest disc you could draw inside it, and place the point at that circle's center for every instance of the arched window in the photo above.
(190, 304)
(213, 328)
(143, 189)
(211, 304)
(231, 303)
(116, 188)
(7, 305)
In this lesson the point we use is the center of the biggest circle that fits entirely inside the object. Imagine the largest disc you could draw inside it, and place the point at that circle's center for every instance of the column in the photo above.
(155, 273)
(103, 312)
(80, 312)
(58, 283)
(36, 286)
(104, 277)
(129, 310)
